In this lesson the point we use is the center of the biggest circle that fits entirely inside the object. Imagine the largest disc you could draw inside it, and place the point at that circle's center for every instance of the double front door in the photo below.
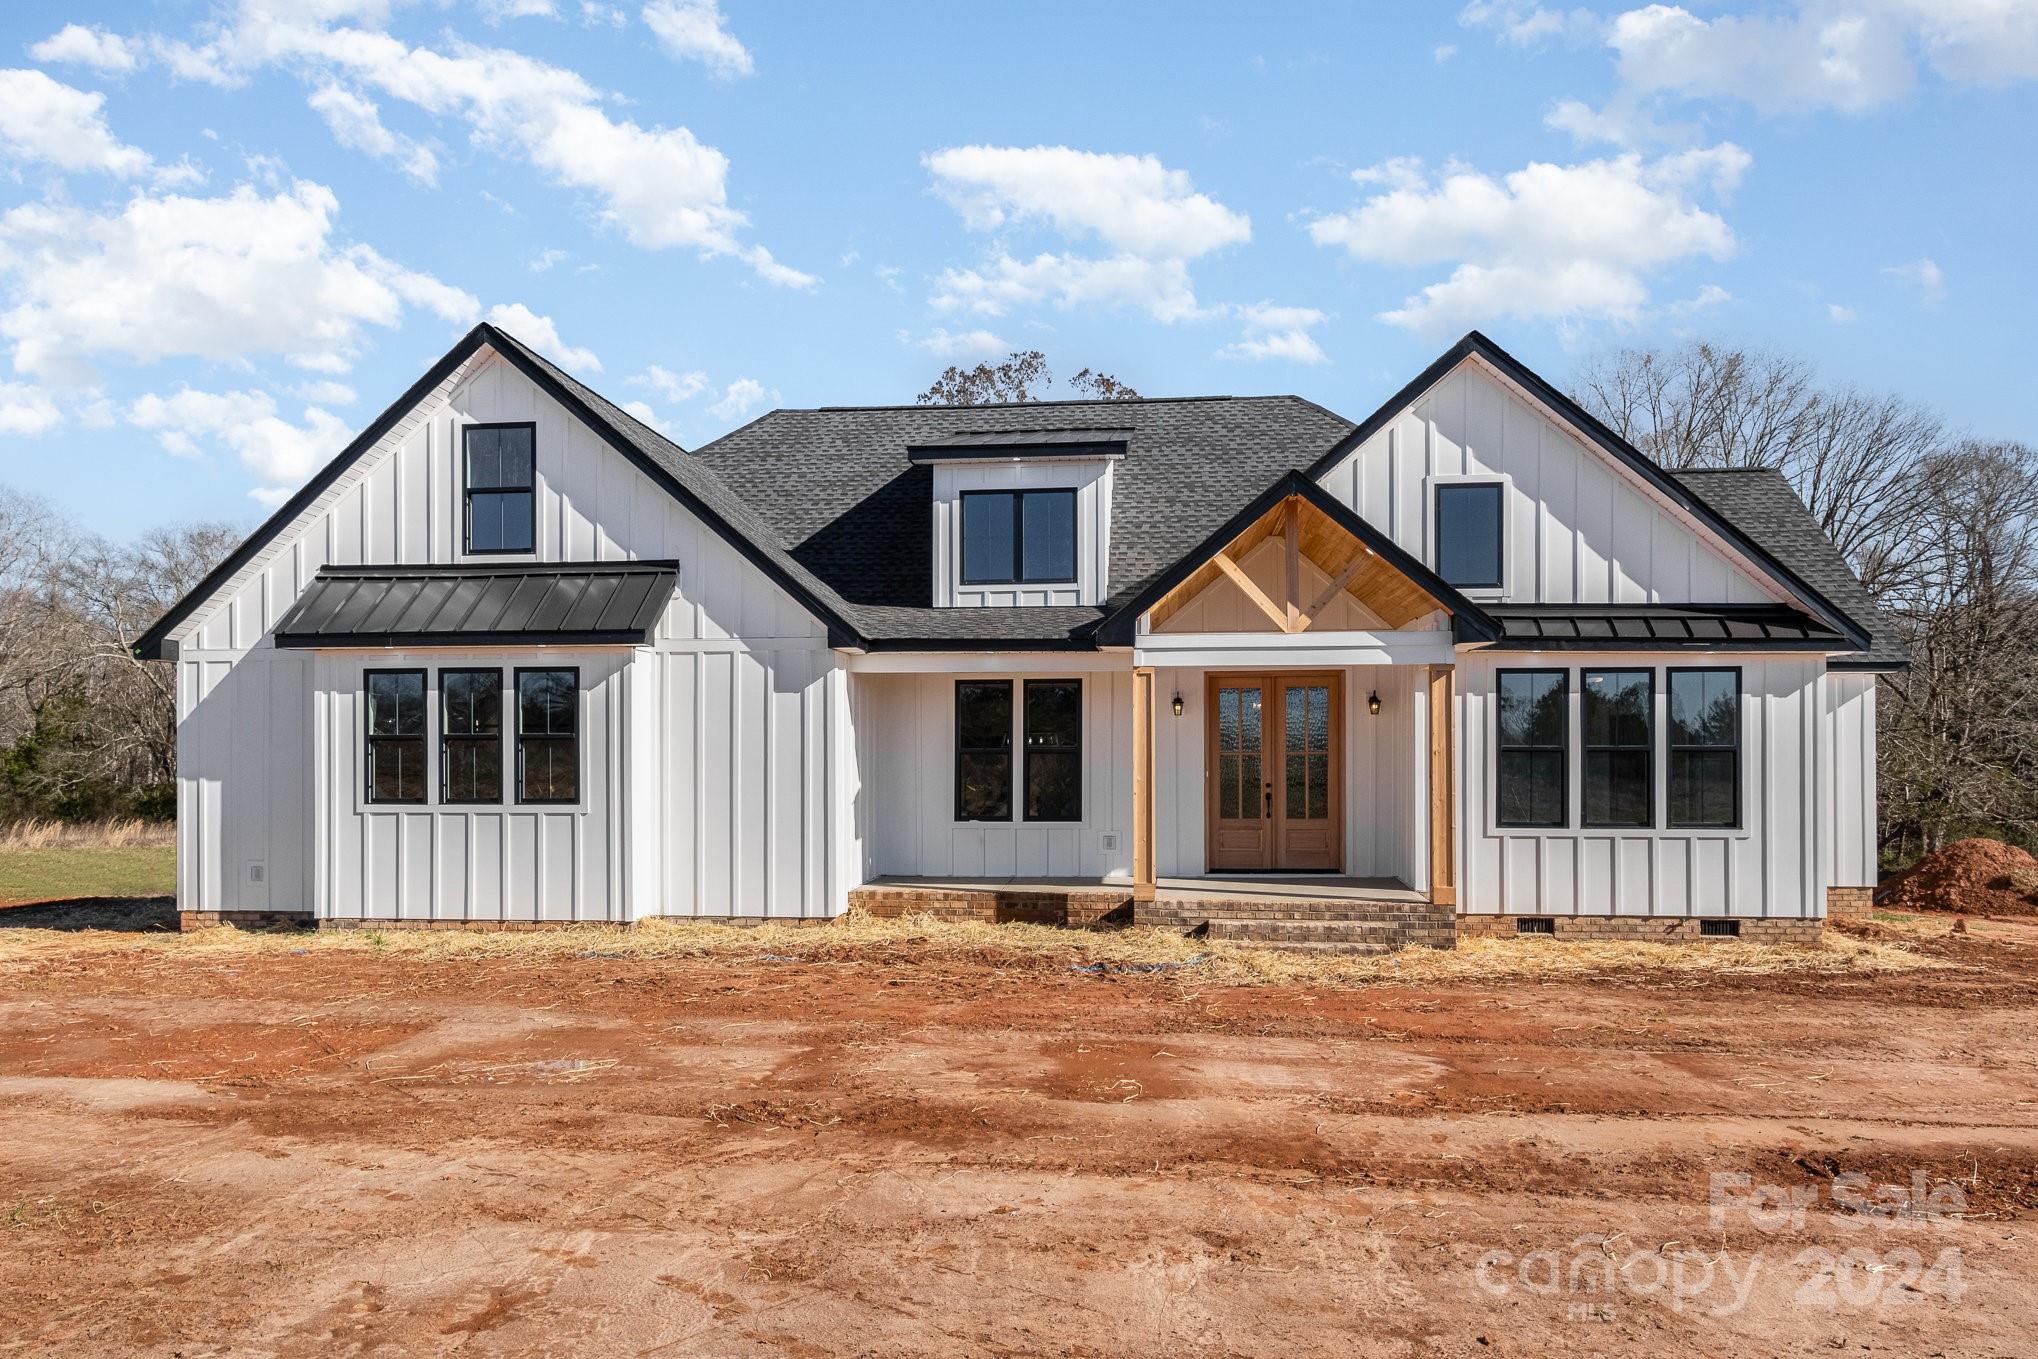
(1275, 749)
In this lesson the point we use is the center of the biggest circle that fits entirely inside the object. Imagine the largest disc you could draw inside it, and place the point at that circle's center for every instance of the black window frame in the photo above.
(1498, 486)
(423, 740)
(1671, 746)
(1586, 747)
(1011, 765)
(1563, 749)
(468, 491)
(447, 738)
(1018, 576)
(1026, 741)
(579, 772)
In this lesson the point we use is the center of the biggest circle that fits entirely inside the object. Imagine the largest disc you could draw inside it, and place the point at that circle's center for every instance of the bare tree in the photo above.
(1022, 376)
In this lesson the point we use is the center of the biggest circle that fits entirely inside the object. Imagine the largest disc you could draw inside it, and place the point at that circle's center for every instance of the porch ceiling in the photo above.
(1352, 567)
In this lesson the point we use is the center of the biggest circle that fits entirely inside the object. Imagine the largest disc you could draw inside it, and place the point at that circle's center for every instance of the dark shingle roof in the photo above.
(1654, 627)
(838, 488)
(1760, 502)
(480, 605)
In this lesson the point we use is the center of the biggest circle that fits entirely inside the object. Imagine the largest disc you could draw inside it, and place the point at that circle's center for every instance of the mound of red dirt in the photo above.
(1982, 877)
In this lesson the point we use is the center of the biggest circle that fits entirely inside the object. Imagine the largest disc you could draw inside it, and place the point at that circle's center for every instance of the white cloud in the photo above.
(1273, 332)
(1526, 25)
(545, 259)
(697, 30)
(356, 123)
(1925, 273)
(967, 344)
(325, 393)
(1149, 217)
(279, 453)
(661, 187)
(95, 47)
(224, 278)
(1443, 52)
(1560, 241)
(608, 16)
(1841, 316)
(650, 417)
(541, 334)
(1705, 299)
(672, 386)
(46, 120)
(496, 11)
(26, 409)
(740, 398)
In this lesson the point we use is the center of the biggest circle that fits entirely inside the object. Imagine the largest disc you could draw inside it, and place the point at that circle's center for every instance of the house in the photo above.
(1471, 665)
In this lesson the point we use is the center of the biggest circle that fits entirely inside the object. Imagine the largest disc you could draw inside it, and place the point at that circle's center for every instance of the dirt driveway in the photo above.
(342, 1152)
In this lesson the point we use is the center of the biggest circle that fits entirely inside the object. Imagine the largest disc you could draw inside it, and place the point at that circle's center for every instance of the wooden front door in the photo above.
(1275, 751)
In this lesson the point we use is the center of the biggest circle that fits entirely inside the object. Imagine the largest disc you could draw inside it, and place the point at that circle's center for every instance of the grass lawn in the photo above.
(62, 873)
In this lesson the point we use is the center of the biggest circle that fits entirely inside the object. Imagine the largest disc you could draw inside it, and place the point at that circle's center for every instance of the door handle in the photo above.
(1270, 800)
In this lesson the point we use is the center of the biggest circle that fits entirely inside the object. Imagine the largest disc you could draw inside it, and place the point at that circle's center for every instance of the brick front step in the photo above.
(1372, 936)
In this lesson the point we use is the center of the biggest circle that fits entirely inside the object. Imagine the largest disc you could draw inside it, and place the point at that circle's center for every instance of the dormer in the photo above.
(1022, 517)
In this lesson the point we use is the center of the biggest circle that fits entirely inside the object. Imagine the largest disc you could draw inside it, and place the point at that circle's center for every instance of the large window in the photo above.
(1705, 747)
(396, 735)
(501, 488)
(1532, 736)
(1468, 533)
(983, 750)
(1618, 774)
(1018, 537)
(470, 735)
(548, 735)
(1054, 750)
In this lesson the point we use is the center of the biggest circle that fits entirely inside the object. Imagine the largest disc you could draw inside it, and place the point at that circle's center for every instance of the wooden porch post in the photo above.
(1142, 784)
(1443, 801)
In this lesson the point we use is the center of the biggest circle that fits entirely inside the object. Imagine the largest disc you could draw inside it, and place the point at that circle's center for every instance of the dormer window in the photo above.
(500, 469)
(1019, 537)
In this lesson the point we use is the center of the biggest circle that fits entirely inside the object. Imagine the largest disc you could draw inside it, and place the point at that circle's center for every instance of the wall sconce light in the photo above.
(1373, 703)
(1177, 704)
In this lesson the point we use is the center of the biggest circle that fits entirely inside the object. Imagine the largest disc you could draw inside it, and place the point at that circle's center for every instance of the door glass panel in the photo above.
(1252, 803)
(1306, 768)
(1249, 719)
(1239, 795)
(1298, 785)
(1227, 719)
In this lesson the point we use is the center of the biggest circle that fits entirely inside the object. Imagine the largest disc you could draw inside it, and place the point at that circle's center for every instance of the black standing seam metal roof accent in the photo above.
(1469, 621)
(1650, 627)
(1474, 343)
(481, 604)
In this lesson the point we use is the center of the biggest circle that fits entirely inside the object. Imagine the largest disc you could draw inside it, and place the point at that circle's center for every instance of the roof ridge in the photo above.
(1107, 401)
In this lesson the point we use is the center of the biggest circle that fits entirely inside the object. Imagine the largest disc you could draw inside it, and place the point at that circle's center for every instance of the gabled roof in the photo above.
(832, 505)
(1469, 622)
(481, 604)
(1588, 426)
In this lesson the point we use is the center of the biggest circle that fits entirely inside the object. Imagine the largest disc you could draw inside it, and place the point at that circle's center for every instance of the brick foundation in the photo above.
(471, 926)
(1643, 929)
(1074, 908)
(1850, 903)
(245, 920)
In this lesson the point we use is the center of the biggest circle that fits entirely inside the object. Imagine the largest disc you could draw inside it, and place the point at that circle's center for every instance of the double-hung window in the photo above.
(396, 735)
(983, 750)
(1618, 773)
(501, 483)
(1704, 776)
(1532, 740)
(470, 735)
(548, 735)
(1019, 537)
(1054, 750)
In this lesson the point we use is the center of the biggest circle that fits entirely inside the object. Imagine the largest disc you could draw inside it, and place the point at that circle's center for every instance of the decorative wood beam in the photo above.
(1252, 591)
(1338, 583)
(1292, 529)
(1143, 836)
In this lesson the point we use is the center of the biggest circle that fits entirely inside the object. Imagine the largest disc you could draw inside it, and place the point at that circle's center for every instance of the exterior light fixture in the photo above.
(1373, 703)
(1177, 704)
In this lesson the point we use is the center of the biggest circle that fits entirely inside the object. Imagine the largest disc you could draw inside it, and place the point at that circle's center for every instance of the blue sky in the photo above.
(231, 231)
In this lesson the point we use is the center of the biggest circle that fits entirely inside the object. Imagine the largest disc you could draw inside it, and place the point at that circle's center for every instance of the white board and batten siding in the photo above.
(1768, 866)
(726, 822)
(1578, 527)
(1090, 478)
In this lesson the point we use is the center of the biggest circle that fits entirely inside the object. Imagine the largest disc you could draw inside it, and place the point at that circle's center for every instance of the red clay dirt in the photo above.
(1978, 877)
(350, 1153)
